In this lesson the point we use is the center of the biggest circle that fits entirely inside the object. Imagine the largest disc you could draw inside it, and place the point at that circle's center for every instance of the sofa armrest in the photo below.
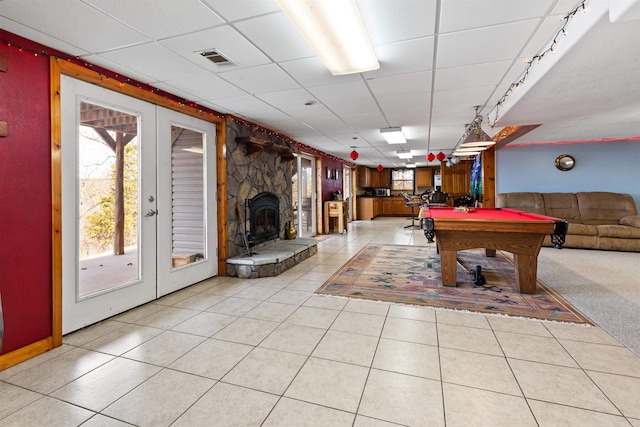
(631, 220)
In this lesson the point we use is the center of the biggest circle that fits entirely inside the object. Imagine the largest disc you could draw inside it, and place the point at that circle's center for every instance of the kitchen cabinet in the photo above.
(424, 177)
(375, 178)
(365, 208)
(385, 178)
(364, 176)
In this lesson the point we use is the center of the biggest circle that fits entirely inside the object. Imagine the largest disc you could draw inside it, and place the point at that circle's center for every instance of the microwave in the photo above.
(379, 192)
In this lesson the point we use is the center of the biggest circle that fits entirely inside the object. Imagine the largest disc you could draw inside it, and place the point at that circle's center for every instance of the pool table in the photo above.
(520, 233)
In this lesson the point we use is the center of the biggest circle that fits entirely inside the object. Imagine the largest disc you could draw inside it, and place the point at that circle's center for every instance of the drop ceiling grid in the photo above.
(168, 20)
(154, 60)
(226, 40)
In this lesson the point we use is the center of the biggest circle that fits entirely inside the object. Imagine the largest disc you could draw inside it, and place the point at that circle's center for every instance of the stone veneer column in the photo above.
(249, 176)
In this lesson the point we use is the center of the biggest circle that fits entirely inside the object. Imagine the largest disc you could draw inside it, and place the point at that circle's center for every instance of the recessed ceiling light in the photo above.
(405, 155)
(393, 135)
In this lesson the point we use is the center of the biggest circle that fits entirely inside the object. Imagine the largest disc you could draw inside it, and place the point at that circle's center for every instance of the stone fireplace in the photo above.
(259, 204)
(263, 212)
(248, 175)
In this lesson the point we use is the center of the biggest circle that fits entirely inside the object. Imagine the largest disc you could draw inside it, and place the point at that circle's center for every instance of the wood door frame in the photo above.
(57, 68)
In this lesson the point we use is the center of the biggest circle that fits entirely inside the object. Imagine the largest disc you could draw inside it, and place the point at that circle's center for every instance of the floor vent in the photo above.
(216, 57)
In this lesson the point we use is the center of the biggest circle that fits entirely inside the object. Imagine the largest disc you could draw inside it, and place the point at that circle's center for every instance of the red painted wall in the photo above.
(25, 198)
(330, 185)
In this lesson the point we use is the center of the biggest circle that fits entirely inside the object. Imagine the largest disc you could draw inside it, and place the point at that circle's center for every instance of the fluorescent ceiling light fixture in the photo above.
(465, 153)
(405, 155)
(468, 149)
(410, 165)
(393, 135)
(335, 31)
(478, 144)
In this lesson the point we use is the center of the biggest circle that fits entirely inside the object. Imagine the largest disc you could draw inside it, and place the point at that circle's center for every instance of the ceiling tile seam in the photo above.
(436, 38)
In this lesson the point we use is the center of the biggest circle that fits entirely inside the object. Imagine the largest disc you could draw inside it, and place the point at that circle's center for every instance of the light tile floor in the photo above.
(268, 352)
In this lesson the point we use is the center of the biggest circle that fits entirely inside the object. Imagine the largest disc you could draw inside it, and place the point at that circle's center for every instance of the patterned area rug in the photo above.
(411, 275)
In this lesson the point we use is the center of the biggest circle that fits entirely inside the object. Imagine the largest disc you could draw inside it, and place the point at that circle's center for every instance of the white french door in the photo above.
(126, 184)
(304, 195)
(186, 201)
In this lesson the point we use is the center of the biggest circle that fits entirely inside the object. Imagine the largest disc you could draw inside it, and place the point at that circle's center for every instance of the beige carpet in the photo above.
(603, 285)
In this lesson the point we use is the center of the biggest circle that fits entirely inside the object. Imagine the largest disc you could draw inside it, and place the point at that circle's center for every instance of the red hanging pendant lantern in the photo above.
(431, 157)
(353, 155)
(380, 168)
(441, 156)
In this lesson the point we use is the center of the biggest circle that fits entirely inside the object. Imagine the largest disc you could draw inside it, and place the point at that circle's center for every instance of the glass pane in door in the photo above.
(188, 215)
(295, 193)
(306, 189)
(108, 203)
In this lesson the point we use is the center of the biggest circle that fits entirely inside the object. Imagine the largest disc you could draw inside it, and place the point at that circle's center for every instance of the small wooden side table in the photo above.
(337, 210)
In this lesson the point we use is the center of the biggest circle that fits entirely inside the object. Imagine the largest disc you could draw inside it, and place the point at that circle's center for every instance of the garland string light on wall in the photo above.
(537, 58)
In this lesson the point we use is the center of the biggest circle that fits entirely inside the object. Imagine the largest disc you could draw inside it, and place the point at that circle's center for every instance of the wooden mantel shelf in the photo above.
(255, 146)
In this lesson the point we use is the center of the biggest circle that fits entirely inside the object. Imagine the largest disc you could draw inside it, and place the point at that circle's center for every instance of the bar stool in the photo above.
(412, 203)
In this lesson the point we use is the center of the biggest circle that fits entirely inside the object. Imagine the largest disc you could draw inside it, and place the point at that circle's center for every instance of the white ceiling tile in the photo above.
(341, 92)
(461, 15)
(207, 86)
(403, 57)
(414, 101)
(392, 21)
(226, 40)
(363, 106)
(489, 44)
(470, 75)
(462, 98)
(363, 121)
(168, 20)
(283, 45)
(39, 37)
(247, 104)
(234, 10)
(119, 68)
(400, 84)
(287, 98)
(311, 72)
(154, 60)
(262, 79)
(89, 29)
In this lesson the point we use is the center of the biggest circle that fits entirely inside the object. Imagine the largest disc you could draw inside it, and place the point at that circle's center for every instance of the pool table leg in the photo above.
(449, 265)
(526, 268)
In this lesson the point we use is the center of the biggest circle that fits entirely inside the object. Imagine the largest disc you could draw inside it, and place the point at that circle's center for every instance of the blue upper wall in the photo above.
(600, 166)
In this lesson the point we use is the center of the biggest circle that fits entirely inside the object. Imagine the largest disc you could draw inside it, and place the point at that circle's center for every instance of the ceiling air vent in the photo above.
(216, 57)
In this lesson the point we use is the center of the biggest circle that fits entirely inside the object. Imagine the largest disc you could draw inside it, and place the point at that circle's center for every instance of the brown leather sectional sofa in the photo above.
(597, 219)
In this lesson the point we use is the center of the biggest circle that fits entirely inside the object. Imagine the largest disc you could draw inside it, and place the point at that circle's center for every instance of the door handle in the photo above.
(151, 212)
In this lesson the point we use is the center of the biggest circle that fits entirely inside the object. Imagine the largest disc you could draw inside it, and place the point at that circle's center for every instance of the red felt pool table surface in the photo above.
(520, 233)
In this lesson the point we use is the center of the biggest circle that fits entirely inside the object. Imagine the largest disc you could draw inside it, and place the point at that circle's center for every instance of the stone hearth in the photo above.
(271, 258)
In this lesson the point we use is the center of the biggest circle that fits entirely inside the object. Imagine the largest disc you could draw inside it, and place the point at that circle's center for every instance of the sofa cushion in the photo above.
(582, 229)
(562, 205)
(621, 231)
(600, 207)
(630, 220)
(527, 202)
